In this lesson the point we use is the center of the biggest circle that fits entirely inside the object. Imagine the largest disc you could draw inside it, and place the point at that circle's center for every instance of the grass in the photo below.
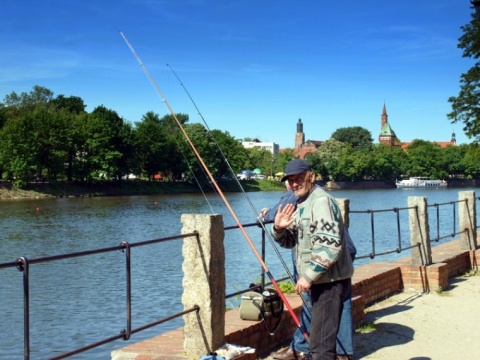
(287, 287)
(366, 328)
(471, 273)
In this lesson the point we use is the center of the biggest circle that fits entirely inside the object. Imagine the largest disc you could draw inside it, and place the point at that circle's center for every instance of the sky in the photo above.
(252, 68)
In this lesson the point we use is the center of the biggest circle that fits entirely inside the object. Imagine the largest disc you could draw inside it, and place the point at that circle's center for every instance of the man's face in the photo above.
(302, 183)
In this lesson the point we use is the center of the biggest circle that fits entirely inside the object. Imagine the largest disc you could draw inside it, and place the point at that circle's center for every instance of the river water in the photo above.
(78, 301)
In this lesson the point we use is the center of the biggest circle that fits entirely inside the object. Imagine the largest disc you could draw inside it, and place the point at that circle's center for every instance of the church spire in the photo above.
(384, 116)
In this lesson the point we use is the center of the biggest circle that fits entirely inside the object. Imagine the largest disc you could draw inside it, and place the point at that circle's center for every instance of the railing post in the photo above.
(419, 230)
(467, 220)
(344, 205)
(203, 284)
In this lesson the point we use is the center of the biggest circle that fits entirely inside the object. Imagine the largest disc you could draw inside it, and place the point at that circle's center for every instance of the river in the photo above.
(78, 301)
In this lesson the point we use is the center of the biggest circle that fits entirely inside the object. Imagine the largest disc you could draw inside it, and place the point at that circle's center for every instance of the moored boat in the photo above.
(420, 182)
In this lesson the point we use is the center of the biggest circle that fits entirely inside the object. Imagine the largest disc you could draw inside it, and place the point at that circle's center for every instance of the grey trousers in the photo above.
(327, 304)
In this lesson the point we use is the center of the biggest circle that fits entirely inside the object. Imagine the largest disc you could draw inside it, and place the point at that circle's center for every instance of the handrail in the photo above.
(24, 265)
(399, 248)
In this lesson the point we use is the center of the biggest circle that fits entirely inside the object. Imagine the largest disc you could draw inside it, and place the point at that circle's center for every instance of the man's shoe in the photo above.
(286, 354)
(290, 354)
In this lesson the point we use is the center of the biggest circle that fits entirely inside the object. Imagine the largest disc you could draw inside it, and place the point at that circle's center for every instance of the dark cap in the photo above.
(295, 167)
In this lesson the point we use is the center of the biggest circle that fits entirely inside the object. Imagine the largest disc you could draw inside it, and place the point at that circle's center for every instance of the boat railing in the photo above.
(27, 266)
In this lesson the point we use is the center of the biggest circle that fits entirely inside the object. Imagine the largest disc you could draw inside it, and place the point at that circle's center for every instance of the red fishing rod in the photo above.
(219, 191)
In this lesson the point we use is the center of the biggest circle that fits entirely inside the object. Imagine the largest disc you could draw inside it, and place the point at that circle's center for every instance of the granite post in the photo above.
(419, 230)
(203, 284)
(467, 220)
(344, 205)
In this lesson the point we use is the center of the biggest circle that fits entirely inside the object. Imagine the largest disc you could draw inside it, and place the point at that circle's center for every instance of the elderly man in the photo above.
(315, 229)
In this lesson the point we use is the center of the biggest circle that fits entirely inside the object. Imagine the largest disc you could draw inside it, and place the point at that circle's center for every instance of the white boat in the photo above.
(420, 182)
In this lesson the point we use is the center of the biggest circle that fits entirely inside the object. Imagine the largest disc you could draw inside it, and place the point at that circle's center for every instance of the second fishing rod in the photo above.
(261, 223)
(220, 193)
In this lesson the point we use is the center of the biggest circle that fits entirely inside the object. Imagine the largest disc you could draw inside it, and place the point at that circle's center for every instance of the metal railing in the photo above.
(436, 206)
(24, 265)
(399, 248)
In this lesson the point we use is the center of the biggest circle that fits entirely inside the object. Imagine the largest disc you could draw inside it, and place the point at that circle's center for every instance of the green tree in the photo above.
(328, 155)
(232, 150)
(72, 104)
(205, 147)
(28, 101)
(260, 158)
(453, 160)
(152, 144)
(70, 133)
(466, 106)
(178, 152)
(356, 136)
(387, 163)
(108, 144)
(18, 147)
(353, 165)
(27, 139)
(425, 159)
(282, 159)
(470, 161)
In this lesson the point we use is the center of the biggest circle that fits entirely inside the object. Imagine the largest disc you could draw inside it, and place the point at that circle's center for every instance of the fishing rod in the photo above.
(261, 223)
(220, 192)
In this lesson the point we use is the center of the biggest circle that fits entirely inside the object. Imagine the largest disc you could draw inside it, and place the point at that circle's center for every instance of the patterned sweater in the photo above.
(320, 239)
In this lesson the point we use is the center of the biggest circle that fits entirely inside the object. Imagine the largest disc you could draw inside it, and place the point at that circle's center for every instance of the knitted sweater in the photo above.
(320, 238)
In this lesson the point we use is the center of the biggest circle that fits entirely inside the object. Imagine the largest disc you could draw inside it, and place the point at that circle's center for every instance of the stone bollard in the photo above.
(467, 220)
(203, 284)
(344, 205)
(419, 230)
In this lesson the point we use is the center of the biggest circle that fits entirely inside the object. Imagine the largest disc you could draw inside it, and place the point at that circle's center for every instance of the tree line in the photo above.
(54, 138)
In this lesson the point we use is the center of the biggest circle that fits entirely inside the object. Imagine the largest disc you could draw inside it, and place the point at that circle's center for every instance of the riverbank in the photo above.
(43, 190)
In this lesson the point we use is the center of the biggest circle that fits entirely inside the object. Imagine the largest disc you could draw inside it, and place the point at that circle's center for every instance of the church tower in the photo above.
(387, 135)
(299, 136)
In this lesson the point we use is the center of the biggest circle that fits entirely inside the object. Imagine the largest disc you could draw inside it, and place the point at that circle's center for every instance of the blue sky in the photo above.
(253, 68)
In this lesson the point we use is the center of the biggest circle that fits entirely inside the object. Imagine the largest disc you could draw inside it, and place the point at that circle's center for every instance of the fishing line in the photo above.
(220, 193)
(269, 236)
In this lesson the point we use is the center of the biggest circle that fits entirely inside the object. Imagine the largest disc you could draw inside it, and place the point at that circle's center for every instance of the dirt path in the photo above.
(425, 326)
(416, 326)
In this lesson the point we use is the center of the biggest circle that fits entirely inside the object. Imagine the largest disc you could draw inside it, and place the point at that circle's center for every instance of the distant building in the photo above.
(270, 146)
(388, 137)
(302, 147)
